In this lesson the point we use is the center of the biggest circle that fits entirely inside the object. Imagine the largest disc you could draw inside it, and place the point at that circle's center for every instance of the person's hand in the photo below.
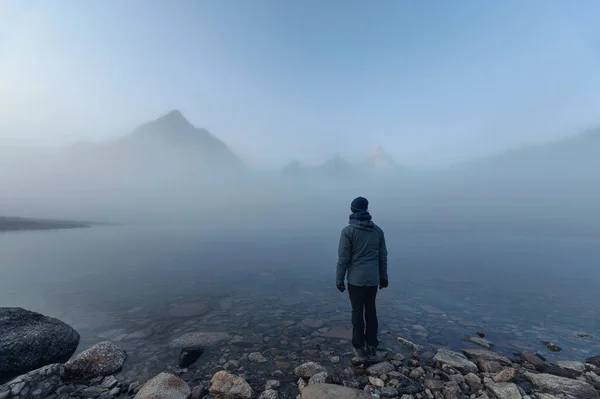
(383, 284)
(341, 287)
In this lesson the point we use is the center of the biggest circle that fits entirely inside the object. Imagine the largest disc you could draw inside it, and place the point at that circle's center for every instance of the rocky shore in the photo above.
(41, 350)
(23, 224)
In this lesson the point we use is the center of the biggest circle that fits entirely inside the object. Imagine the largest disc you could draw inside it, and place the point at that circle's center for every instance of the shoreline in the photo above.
(13, 223)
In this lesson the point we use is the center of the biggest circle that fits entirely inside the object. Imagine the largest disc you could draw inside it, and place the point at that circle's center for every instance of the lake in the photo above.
(273, 290)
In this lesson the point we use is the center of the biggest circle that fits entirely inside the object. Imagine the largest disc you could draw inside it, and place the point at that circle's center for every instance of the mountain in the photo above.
(379, 159)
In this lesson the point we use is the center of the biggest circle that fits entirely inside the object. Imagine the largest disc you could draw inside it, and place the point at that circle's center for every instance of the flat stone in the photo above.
(29, 341)
(228, 386)
(389, 392)
(548, 383)
(505, 375)
(532, 359)
(376, 382)
(455, 360)
(578, 367)
(505, 390)
(269, 394)
(479, 341)
(328, 391)
(307, 370)
(104, 358)
(489, 366)
(482, 354)
(434, 385)
(200, 339)
(164, 386)
(380, 368)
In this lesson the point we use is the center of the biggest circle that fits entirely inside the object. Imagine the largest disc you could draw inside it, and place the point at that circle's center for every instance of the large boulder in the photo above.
(35, 384)
(328, 391)
(29, 341)
(554, 385)
(104, 358)
(455, 360)
(165, 386)
(228, 386)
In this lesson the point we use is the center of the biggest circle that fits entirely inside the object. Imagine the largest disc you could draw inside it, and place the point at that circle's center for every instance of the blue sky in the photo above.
(433, 82)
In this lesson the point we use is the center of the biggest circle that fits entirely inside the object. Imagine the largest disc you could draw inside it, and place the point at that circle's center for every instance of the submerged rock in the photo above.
(380, 368)
(455, 360)
(307, 370)
(479, 341)
(200, 339)
(551, 346)
(328, 391)
(555, 385)
(189, 355)
(29, 340)
(104, 358)
(228, 386)
(257, 357)
(164, 386)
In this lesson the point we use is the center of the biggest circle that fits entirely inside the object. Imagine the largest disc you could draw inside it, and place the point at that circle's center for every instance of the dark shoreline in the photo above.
(8, 224)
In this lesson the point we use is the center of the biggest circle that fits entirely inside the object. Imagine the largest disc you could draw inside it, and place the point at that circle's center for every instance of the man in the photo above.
(363, 257)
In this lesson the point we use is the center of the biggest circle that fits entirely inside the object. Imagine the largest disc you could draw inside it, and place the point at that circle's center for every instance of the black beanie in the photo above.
(359, 204)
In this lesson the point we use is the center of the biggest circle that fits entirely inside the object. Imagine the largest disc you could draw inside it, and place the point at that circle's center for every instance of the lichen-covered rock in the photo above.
(228, 386)
(164, 386)
(328, 391)
(307, 370)
(104, 358)
(455, 360)
(35, 384)
(555, 385)
(29, 340)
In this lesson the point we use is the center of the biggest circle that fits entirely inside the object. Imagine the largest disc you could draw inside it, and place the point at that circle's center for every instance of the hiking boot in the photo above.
(360, 353)
(371, 353)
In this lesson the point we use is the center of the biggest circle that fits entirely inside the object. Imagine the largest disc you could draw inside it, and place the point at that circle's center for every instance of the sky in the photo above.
(432, 82)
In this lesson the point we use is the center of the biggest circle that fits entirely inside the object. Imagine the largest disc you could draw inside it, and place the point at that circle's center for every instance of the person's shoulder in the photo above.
(377, 229)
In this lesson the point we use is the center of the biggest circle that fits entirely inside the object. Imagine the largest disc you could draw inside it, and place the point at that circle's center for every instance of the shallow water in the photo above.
(273, 291)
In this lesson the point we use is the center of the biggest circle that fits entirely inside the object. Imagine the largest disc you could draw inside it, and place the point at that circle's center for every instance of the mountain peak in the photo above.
(378, 158)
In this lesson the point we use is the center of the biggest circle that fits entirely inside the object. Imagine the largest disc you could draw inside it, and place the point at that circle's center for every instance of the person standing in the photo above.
(362, 258)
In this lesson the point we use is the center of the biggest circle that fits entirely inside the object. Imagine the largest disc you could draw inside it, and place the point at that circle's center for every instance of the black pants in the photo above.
(363, 309)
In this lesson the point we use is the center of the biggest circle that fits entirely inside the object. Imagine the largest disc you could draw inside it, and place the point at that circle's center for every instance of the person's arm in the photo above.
(383, 273)
(344, 258)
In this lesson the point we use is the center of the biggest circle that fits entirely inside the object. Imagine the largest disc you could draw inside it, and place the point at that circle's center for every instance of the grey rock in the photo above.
(269, 394)
(110, 382)
(595, 360)
(482, 354)
(434, 385)
(417, 373)
(578, 367)
(190, 355)
(200, 339)
(272, 384)
(489, 366)
(532, 359)
(380, 368)
(452, 391)
(164, 386)
(455, 360)
(226, 385)
(257, 357)
(505, 375)
(479, 341)
(548, 383)
(197, 392)
(505, 390)
(29, 340)
(104, 358)
(389, 392)
(307, 370)
(319, 378)
(328, 391)
(474, 382)
(376, 382)
(93, 392)
(37, 383)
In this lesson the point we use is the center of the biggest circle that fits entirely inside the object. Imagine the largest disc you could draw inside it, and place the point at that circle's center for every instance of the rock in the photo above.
(532, 359)
(417, 373)
(164, 386)
(410, 387)
(434, 385)
(38, 383)
(593, 379)
(551, 346)
(307, 370)
(319, 378)
(29, 341)
(474, 382)
(559, 371)
(389, 392)
(452, 391)
(338, 332)
(197, 392)
(489, 366)
(269, 394)
(380, 368)
(189, 355)
(104, 358)
(595, 360)
(577, 367)
(110, 382)
(482, 354)
(200, 339)
(302, 384)
(455, 360)
(272, 384)
(92, 392)
(257, 357)
(505, 375)
(134, 387)
(328, 391)
(555, 385)
(376, 382)
(229, 386)
(505, 390)
(479, 341)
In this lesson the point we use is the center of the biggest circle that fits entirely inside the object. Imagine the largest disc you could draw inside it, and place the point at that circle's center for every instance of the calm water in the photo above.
(145, 285)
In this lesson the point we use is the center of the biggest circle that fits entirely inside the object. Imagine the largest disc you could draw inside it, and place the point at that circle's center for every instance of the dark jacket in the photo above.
(362, 252)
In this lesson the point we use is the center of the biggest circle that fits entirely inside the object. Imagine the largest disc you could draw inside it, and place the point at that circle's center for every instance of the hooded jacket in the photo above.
(362, 253)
